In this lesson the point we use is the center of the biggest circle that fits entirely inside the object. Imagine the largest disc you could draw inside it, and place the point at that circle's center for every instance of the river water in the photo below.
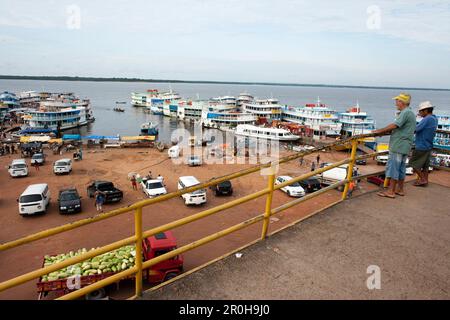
(103, 95)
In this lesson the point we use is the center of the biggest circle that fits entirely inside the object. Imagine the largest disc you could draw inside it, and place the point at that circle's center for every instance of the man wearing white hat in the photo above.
(425, 132)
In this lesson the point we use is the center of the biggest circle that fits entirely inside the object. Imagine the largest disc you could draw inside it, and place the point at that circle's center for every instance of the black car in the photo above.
(310, 185)
(361, 162)
(223, 188)
(69, 201)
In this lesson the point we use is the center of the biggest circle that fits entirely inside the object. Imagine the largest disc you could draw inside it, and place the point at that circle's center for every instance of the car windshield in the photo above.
(154, 185)
(105, 186)
(30, 198)
(225, 184)
(37, 156)
(61, 163)
(295, 184)
(69, 196)
(19, 166)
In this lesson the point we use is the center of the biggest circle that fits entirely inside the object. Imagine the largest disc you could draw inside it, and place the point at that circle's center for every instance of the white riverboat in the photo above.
(264, 109)
(214, 119)
(323, 120)
(252, 131)
(355, 122)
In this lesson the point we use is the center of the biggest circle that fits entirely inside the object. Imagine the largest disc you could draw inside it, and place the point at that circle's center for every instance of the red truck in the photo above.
(152, 247)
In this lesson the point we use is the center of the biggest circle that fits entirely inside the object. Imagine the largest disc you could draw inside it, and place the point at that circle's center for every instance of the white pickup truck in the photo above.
(336, 175)
(153, 187)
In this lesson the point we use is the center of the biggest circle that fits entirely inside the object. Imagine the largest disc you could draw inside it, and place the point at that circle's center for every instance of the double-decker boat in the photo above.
(264, 109)
(56, 116)
(321, 119)
(442, 138)
(231, 119)
(268, 133)
(356, 122)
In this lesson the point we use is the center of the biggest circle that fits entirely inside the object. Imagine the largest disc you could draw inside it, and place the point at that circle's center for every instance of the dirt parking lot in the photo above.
(115, 165)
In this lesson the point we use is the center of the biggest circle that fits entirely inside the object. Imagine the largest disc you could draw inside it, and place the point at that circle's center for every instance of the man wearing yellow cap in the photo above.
(400, 143)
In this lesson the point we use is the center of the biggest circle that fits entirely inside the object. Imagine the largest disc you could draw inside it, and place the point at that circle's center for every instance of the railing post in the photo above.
(350, 168)
(138, 257)
(386, 182)
(267, 212)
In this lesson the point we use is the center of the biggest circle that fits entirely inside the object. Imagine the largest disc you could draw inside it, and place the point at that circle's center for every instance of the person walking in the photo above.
(318, 159)
(351, 187)
(36, 166)
(313, 166)
(425, 133)
(99, 200)
(400, 143)
(133, 182)
(301, 161)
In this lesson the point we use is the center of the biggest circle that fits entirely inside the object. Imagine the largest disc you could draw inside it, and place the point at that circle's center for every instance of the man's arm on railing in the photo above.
(386, 130)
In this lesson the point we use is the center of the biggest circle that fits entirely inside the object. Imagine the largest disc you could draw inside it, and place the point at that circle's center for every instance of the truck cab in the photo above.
(157, 245)
(382, 159)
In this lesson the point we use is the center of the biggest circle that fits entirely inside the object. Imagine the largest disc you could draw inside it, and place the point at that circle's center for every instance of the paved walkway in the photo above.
(327, 256)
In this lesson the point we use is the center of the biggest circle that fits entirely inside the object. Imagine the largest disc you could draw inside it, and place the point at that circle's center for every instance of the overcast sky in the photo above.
(385, 43)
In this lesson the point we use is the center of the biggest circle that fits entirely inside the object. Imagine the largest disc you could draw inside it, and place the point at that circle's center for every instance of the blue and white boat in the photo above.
(355, 122)
(442, 139)
(322, 120)
(149, 128)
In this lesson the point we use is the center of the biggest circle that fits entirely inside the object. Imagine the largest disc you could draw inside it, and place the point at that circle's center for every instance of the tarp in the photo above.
(25, 139)
(71, 137)
(96, 137)
(55, 141)
(130, 138)
(36, 130)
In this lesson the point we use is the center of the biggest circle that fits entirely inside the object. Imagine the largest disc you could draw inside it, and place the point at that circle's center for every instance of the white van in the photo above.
(174, 152)
(62, 166)
(18, 168)
(196, 197)
(34, 199)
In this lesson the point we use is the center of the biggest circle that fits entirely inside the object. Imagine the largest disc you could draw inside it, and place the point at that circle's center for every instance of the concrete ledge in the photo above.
(327, 256)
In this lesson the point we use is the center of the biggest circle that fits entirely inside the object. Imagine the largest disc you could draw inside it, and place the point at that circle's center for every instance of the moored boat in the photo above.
(268, 133)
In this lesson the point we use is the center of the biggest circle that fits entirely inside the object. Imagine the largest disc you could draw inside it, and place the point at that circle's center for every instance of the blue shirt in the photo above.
(425, 132)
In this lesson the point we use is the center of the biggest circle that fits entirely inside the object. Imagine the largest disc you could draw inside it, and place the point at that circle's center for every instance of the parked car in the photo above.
(361, 162)
(409, 170)
(196, 197)
(35, 199)
(69, 201)
(310, 185)
(38, 158)
(292, 190)
(112, 194)
(62, 166)
(223, 188)
(18, 168)
(153, 187)
(336, 175)
(193, 161)
(377, 180)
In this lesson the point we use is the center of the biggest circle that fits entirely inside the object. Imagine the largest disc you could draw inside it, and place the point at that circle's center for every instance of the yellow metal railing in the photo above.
(136, 239)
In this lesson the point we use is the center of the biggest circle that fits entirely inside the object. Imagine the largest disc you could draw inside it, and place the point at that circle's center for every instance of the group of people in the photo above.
(404, 135)
(134, 179)
(7, 149)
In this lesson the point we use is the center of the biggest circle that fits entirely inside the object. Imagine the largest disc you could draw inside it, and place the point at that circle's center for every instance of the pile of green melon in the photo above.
(113, 261)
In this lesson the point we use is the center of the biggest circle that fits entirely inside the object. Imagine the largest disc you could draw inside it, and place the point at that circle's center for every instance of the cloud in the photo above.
(411, 20)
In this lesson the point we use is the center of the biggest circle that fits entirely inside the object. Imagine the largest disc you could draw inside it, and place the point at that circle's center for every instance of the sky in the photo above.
(376, 43)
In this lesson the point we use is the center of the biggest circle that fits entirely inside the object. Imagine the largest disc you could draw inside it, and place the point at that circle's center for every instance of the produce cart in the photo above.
(96, 269)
